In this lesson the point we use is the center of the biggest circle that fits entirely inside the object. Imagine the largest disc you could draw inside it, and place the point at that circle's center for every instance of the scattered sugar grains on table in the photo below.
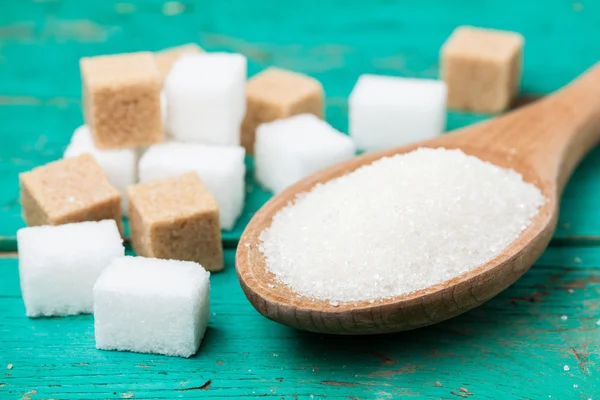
(437, 213)
(138, 100)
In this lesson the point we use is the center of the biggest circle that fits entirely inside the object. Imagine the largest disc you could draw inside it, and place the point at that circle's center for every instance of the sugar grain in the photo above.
(396, 226)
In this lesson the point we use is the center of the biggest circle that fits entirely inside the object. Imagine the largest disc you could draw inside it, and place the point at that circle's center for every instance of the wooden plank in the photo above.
(517, 344)
(580, 215)
(39, 113)
(31, 147)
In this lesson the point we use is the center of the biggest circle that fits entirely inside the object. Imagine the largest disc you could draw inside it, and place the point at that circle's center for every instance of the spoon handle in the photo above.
(552, 134)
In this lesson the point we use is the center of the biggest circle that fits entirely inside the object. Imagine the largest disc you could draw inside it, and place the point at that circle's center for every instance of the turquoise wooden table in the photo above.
(539, 339)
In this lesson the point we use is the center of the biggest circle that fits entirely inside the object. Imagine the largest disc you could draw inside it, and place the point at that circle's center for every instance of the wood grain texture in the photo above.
(40, 101)
(514, 346)
(543, 141)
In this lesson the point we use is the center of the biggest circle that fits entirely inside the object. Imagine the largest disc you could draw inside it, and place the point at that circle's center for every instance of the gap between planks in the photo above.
(8, 245)
(12, 254)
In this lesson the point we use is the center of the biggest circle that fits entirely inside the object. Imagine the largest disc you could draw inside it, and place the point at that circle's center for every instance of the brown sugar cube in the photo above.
(176, 218)
(482, 68)
(69, 190)
(276, 93)
(122, 100)
(167, 57)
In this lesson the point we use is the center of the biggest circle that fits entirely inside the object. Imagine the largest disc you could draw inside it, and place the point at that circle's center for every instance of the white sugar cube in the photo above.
(206, 99)
(118, 165)
(148, 305)
(58, 265)
(386, 112)
(290, 149)
(163, 106)
(220, 168)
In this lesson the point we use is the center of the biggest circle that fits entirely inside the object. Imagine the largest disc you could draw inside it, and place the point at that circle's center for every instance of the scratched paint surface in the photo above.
(42, 41)
(515, 346)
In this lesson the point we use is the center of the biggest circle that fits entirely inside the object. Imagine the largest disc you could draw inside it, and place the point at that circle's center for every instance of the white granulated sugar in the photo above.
(401, 224)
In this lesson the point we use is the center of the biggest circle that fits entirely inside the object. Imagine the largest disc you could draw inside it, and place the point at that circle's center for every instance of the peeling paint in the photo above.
(393, 372)
(80, 30)
(336, 383)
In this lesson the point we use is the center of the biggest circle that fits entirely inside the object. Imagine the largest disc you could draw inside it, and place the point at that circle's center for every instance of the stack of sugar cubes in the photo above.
(183, 109)
(140, 304)
(196, 101)
(150, 120)
(149, 102)
(194, 118)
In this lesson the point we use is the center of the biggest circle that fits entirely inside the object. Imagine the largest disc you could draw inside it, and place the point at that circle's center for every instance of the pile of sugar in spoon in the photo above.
(398, 225)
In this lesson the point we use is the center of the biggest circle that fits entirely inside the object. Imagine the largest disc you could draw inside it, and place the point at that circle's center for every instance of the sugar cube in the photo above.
(176, 218)
(386, 111)
(73, 189)
(163, 106)
(120, 166)
(122, 100)
(277, 93)
(220, 168)
(482, 68)
(148, 305)
(206, 98)
(58, 265)
(289, 149)
(167, 57)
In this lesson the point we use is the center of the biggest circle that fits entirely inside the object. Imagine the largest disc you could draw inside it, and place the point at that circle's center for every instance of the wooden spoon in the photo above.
(543, 141)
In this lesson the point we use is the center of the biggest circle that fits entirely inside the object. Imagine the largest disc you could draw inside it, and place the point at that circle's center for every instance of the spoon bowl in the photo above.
(543, 141)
